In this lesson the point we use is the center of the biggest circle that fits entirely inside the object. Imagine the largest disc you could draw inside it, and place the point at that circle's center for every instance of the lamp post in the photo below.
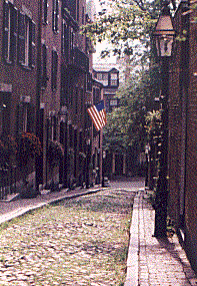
(163, 36)
(88, 161)
(103, 168)
(147, 153)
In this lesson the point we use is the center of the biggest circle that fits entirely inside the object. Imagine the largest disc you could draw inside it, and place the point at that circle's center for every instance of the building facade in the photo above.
(182, 130)
(110, 81)
(19, 22)
(46, 86)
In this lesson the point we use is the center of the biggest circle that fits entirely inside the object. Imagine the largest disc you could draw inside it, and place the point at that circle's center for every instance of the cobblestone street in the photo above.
(82, 241)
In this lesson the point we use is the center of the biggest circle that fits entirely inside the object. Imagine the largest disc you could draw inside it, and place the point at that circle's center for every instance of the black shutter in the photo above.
(32, 45)
(30, 118)
(56, 15)
(21, 38)
(54, 70)
(5, 30)
(44, 66)
(54, 128)
(14, 27)
(53, 16)
(65, 40)
(45, 11)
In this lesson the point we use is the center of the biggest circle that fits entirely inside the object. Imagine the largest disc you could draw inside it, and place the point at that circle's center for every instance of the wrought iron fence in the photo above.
(7, 182)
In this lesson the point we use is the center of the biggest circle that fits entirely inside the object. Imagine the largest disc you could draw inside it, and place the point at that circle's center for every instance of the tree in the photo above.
(121, 23)
(126, 127)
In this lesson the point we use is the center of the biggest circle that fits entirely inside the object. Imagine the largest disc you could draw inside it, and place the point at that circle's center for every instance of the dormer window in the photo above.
(114, 79)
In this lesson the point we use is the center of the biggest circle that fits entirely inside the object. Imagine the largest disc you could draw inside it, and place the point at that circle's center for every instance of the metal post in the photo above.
(103, 168)
(162, 184)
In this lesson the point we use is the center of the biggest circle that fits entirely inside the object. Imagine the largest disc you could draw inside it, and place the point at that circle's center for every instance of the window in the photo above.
(26, 41)
(9, 32)
(53, 128)
(45, 12)
(55, 15)
(65, 40)
(72, 39)
(54, 70)
(78, 10)
(24, 119)
(83, 15)
(114, 79)
(76, 100)
(81, 98)
(68, 41)
(103, 77)
(96, 95)
(44, 66)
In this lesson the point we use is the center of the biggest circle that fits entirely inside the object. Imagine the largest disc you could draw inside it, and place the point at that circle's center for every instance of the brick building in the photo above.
(46, 85)
(110, 80)
(18, 70)
(182, 130)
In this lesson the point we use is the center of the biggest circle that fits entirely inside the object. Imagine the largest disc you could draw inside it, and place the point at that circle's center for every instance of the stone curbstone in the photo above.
(24, 210)
(133, 252)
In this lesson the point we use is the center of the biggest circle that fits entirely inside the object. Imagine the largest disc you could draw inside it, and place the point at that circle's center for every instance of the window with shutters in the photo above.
(44, 66)
(26, 41)
(54, 70)
(68, 41)
(65, 40)
(9, 32)
(78, 10)
(55, 15)
(54, 128)
(45, 12)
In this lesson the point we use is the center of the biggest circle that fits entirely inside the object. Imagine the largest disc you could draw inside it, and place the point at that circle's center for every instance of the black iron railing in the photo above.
(7, 182)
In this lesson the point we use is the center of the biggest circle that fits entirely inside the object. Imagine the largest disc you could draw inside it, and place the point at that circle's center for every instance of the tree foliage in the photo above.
(127, 124)
(121, 22)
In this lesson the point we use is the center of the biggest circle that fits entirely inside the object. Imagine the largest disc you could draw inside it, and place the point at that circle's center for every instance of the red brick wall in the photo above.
(23, 80)
(183, 112)
(191, 161)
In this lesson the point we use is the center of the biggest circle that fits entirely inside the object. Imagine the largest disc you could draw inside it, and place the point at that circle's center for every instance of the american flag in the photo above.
(98, 115)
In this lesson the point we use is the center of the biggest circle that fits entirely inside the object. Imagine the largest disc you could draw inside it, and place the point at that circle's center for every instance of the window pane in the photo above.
(21, 40)
(6, 34)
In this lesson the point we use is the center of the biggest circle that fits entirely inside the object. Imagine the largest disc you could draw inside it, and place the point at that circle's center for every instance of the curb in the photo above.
(24, 210)
(133, 252)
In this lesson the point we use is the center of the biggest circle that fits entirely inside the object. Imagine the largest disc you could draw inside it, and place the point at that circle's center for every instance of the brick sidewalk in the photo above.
(157, 261)
(10, 210)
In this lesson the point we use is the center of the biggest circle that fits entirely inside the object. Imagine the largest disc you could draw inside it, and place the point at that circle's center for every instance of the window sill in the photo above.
(25, 67)
(10, 63)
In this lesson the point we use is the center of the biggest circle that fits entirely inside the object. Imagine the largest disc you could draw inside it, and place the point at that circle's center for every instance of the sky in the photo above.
(101, 46)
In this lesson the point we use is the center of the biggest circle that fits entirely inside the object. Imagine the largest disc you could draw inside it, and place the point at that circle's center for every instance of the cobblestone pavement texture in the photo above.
(160, 262)
(68, 243)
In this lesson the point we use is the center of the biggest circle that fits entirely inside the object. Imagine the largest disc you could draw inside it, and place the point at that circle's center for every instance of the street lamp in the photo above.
(164, 33)
(163, 36)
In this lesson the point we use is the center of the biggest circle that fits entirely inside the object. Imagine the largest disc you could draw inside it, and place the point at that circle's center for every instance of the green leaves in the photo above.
(129, 125)
(121, 22)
